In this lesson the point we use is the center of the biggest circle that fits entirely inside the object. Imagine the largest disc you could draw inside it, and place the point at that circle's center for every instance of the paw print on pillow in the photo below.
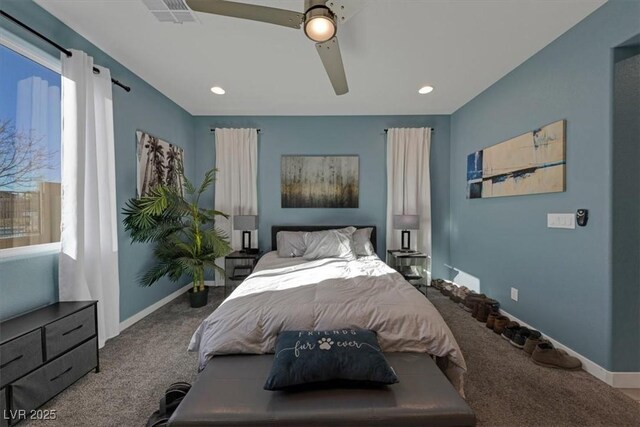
(325, 343)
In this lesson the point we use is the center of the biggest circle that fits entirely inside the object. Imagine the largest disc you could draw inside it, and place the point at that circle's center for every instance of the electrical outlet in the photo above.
(514, 294)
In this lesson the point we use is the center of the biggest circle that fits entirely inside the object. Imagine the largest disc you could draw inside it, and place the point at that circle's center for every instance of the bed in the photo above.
(235, 343)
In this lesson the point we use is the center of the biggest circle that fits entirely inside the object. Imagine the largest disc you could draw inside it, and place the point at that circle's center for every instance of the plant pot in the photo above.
(198, 299)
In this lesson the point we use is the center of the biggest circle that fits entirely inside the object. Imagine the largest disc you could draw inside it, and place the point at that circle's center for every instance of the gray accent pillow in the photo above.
(330, 244)
(362, 241)
(291, 243)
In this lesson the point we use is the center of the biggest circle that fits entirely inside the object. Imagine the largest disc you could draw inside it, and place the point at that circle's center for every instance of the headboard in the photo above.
(276, 228)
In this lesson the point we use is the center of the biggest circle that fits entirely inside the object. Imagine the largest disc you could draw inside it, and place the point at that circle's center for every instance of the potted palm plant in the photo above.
(186, 239)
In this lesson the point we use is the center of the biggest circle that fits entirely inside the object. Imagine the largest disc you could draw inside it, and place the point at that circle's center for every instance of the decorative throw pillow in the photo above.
(330, 244)
(349, 357)
(291, 243)
(362, 241)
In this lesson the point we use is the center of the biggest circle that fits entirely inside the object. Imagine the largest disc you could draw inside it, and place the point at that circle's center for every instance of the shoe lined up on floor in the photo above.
(520, 337)
(510, 331)
(491, 319)
(548, 356)
(532, 342)
(487, 310)
(500, 323)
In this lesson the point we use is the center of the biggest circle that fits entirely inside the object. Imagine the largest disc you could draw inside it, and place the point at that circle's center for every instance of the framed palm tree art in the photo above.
(159, 163)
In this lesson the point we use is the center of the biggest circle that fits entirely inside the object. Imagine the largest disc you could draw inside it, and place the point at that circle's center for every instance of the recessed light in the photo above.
(425, 89)
(217, 90)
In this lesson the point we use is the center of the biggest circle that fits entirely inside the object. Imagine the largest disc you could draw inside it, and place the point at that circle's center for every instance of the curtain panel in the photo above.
(236, 186)
(88, 267)
(409, 184)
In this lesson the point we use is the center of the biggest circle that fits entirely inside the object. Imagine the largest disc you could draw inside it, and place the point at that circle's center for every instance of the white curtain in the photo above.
(89, 257)
(409, 184)
(237, 180)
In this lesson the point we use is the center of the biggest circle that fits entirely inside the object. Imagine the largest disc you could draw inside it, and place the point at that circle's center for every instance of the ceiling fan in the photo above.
(319, 21)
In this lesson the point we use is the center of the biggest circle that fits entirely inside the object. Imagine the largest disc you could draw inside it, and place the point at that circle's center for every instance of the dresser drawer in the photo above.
(32, 391)
(69, 331)
(19, 356)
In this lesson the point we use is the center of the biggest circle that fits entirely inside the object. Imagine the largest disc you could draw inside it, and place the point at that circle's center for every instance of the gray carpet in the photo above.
(503, 386)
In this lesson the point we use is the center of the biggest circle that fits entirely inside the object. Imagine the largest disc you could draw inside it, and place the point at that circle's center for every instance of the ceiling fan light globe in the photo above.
(319, 25)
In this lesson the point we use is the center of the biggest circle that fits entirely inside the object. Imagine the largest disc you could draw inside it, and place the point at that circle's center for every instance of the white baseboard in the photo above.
(614, 379)
(623, 379)
(213, 283)
(147, 311)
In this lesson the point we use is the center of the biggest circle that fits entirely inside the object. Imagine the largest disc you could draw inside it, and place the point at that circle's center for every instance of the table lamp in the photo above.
(406, 223)
(245, 223)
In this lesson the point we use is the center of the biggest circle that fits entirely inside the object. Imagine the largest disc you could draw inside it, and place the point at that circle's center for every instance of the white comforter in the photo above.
(285, 294)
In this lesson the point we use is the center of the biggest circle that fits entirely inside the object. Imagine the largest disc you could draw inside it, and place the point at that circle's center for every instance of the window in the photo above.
(30, 150)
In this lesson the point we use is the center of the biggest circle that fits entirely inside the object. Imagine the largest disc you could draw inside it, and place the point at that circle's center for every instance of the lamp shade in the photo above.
(245, 222)
(406, 222)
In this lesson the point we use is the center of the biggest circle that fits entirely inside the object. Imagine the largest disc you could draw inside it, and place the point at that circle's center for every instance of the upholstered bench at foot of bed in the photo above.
(228, 392)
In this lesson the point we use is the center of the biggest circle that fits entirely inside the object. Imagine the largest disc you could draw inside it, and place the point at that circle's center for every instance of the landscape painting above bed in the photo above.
(531, 163)
(319, 181)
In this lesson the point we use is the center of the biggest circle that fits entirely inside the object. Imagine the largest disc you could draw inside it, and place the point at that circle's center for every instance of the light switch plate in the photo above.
(561, 220)
(514, 294)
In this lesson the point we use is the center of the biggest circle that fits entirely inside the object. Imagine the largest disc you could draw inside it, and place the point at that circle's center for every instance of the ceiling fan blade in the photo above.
(329, 52)
(345, 9)
(254, 12)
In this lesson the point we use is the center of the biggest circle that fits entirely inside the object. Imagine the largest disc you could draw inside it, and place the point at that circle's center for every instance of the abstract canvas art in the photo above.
(319, 181)
(531, 163)
(159, 163)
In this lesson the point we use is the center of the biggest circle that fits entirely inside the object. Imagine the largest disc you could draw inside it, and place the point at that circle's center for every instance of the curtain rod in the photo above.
(56, 45)
(432, 130)
(214, 129)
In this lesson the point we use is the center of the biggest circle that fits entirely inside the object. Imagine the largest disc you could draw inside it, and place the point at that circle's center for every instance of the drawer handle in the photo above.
(71, 330)
(4, 365)
(58, 376)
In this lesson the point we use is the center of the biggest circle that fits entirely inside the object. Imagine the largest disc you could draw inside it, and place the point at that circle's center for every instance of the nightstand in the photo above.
(415, 267)
(237, 267)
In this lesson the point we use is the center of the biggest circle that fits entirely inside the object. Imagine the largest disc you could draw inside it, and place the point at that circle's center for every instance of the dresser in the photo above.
(42, 353)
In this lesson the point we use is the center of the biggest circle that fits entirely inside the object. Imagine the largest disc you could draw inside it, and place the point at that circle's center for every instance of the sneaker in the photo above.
(500, 323)
(510, 331)
(437, 283)
(548, 356)
(491, 320)
(532, 342)
(455, 295)
(460, 294)
(447, 288)
(520, 337)
(535, 334)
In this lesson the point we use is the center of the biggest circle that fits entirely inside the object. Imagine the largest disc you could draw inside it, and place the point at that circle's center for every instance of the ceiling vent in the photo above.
(175, 11)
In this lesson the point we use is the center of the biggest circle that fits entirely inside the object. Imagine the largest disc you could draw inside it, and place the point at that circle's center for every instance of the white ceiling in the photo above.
(390, 49)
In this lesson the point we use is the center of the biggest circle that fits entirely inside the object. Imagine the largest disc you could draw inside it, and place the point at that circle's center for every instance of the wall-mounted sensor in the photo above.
(582, 216)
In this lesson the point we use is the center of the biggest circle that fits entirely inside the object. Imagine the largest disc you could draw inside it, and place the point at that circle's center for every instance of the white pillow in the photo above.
(362, 242)
(330, 244)
(291, 243)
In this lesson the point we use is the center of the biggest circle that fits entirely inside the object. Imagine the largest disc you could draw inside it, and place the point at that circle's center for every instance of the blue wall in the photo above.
(360, 135)
(27, 283)
(564, 276)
